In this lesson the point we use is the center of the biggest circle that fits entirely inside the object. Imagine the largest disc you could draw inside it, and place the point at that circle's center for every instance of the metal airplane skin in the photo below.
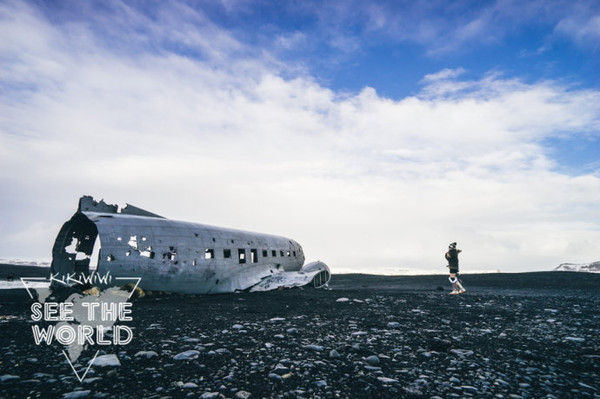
(176, 256)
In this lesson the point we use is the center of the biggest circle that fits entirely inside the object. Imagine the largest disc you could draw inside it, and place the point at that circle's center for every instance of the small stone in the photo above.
(90, 380)
(387, 380)
(581, 384)
(76, 394)
(9, 377)
(146, 354)
(187, 355)
(372, 360)
(461, 352)
(333, 354)
(575, 339)
(280, 369)
(107, 361)
(189, 385)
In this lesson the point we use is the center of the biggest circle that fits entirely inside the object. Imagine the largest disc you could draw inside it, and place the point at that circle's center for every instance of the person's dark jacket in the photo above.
(452, 258)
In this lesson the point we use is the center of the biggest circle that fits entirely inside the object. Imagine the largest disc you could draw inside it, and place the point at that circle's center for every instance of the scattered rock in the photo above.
(461, 352)
(107, 361)
(146, 354)
(9, 377)
(187, 355)
(76, 394)
(372, 360)
(575, 339)
(189, 385)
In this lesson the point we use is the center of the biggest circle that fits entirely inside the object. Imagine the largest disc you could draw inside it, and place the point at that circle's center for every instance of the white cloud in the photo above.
(444, 74)
(449, 27)
(583, 29)
(361, 181)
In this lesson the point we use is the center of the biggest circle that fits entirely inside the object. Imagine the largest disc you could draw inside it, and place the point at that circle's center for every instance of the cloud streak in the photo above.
(187, 121)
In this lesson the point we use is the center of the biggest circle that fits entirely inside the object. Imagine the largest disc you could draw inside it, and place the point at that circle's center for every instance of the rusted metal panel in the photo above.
(177, 256)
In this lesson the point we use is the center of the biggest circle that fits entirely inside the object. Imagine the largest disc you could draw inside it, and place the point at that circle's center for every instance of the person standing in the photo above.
(452, 258)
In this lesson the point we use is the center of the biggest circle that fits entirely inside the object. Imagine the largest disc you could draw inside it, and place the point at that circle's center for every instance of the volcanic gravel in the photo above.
(529, 335)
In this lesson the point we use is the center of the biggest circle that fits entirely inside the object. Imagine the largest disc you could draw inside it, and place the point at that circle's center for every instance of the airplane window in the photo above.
(254, 256)
(242, 255)
(209, 253)
(265, 253)
(227, 253)
(289, 253)
(273, 253)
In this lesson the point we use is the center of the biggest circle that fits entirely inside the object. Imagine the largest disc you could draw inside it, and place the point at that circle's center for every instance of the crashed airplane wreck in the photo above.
(176, 256)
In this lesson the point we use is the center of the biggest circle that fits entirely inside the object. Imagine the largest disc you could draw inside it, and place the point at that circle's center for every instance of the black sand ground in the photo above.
(23, 271)
(530, 335)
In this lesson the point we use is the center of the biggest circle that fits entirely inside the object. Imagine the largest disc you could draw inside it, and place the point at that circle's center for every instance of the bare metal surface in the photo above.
(178, 256)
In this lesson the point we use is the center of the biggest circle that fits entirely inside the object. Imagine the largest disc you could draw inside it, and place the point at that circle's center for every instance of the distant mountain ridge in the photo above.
(593, 267)
(26, 262)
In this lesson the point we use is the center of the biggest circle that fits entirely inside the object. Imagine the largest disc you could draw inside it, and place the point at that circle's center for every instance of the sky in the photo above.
(374, 133)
